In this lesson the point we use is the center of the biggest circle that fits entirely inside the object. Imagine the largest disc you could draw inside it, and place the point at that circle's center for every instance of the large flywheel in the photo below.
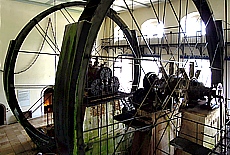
(46, 143)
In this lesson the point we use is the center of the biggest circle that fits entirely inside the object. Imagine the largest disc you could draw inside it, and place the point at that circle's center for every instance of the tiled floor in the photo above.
(15, 141)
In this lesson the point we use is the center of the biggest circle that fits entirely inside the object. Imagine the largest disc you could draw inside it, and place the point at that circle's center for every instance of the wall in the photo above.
(143, 14)
(168, 17)
(10, 26)
(14, 16)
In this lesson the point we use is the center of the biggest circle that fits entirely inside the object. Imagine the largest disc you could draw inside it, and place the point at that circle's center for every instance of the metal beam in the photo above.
(214, 38)
(144, 4)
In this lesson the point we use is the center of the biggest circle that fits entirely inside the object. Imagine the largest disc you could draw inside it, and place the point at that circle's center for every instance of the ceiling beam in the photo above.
(34, 2)
(123, 7)
(144, 4)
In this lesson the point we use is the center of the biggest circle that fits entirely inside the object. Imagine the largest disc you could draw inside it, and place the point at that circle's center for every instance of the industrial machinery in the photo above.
(189, 91)
(102, 127)
(100, 80)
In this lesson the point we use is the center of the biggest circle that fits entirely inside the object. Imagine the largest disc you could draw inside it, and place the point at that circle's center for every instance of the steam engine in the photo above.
(101, 81)
(163, 93)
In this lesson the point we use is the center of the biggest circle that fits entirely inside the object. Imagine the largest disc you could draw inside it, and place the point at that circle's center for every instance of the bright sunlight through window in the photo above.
(152, 29)
(192, 24)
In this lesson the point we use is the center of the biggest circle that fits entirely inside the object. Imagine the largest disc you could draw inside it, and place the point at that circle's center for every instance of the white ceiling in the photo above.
(118, 5)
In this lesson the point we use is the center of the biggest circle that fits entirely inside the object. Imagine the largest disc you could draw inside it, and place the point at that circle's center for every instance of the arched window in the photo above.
(192, 25)
(118, 34)
(123, 70)
(204, 66)
(152, 28)
(149, 61)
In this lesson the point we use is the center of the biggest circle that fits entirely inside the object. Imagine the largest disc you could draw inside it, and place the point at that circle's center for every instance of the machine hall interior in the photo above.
(156, 80)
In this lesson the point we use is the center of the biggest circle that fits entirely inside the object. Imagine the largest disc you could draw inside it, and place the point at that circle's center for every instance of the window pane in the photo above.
(152, 28)
(192, 24)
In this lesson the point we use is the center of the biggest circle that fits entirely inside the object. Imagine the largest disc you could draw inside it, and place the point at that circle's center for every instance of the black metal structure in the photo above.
(44, 142)
(69, 107)
(3, 112)
(214, 38)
